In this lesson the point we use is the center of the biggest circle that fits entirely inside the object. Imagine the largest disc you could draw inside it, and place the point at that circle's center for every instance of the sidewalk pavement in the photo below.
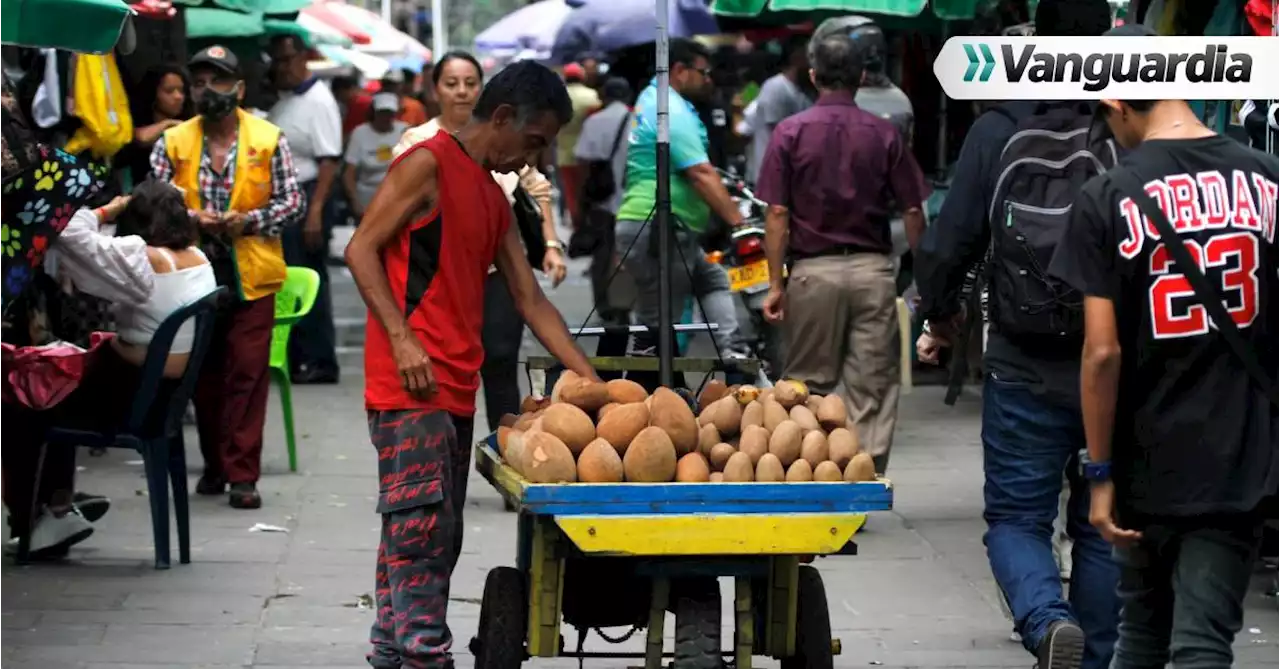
(919, 594)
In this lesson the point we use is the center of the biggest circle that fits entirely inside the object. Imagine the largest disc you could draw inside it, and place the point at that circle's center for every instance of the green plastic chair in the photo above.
(294, 301)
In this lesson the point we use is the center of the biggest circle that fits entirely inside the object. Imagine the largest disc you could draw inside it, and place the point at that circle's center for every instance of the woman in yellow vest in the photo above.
(239, 182)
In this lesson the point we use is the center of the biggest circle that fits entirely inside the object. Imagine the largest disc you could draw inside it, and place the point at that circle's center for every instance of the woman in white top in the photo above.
(457, 78)
(148, 269)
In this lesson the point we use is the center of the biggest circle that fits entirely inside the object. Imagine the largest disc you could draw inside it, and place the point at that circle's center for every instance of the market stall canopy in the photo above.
(384, 38)
(312, 35)
(530, 27)
(613, 25)
(251, 6)
(371, 67)
(90, 26)
(778, 12)
(319, 11)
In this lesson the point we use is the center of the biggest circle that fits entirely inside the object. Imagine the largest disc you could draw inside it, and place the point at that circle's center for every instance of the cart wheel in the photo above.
(499, 643)
(813, 623)
(697, 609)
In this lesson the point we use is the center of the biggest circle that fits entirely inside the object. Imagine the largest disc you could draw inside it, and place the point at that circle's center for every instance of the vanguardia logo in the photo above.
(1126, 68)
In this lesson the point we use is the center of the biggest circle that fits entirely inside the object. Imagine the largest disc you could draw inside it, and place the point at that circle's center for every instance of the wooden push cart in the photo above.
(621, 555)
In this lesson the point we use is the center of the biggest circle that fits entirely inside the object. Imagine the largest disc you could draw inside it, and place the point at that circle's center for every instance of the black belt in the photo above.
(841, 250)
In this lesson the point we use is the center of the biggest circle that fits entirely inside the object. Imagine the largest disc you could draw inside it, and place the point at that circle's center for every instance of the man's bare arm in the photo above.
(409, 187)
(542, 316)
(913, 224)
(777, 234)
(1099, 376)
(706, 182)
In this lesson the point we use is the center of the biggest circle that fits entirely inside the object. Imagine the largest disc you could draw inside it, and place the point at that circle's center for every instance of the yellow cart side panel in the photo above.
(743, 534)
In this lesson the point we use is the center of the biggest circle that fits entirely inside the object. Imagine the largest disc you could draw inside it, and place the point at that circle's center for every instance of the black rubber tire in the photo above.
(696, 604)
(813, 624)
(499, 643)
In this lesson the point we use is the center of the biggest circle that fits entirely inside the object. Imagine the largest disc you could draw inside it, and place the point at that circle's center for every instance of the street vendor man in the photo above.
(237, 175)
(420, 259)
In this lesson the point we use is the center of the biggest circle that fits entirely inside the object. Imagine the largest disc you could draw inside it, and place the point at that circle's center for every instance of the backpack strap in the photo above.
(1206, 294)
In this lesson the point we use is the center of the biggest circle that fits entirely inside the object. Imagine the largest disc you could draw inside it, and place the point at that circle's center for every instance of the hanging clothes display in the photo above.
(100, 102)
(1261, 17)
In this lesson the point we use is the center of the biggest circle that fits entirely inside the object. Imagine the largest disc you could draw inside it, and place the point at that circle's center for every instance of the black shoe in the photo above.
(315, 376)
(92, 507)
(244, 496)
(210, 484)
(1062, 647)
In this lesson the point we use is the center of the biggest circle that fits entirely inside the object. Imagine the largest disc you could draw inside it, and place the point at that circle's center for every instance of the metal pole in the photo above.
(386, 10)
(439, 29)
(662, 210)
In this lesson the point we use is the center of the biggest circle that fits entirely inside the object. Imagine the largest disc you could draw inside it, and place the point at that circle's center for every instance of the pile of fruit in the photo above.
(596, 432)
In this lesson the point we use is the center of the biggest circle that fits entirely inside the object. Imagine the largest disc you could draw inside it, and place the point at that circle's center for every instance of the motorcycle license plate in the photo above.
(751, 278)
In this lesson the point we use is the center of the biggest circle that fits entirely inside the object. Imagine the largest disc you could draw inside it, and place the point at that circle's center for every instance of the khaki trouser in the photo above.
(841, 329)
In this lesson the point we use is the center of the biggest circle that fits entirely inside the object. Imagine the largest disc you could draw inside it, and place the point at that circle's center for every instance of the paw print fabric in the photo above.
(38, 201)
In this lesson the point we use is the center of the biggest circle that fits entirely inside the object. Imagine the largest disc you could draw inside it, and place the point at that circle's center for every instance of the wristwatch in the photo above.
(1094, 472)
(555, 244)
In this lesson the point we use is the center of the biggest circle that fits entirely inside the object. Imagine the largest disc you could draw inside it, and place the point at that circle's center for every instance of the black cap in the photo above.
(218, 57)
(617, 88)
(1131, 30)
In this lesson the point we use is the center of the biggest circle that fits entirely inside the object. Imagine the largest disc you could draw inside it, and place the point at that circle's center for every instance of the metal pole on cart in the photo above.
(662, 208)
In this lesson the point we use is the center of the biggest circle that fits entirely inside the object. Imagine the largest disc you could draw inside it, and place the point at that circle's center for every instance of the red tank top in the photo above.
(437, 268)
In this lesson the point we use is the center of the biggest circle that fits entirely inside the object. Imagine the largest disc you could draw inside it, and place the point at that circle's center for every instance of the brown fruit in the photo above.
(526, 420)
(599, 463)
(800, 471)
(785, 442)
(586, 395)
(504, 433)
(570, 425)
(827, 471)
(831, 413)
(651, 457)
(842, 445)
(534, 403)
(861, 468)
(790, 393)
(752, 414)
(623, 424)
(708, 436)
(717, 477)
(813, 402)
(725, 413)
(803, 417)
(567, 377)
(711, 392)
(508, 419)
(754, 443)
(693, 468)
(670, 412)
(813, 448)
(548, 460)
(720, 454)
(626, 391)
(515, 451)
(765, 395)
(746, 394)
(769, 469)
(774, 414)
(607, 408)
(739, 469)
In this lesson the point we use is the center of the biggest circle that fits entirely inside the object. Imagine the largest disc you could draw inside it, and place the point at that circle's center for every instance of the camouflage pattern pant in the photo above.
(423, 458)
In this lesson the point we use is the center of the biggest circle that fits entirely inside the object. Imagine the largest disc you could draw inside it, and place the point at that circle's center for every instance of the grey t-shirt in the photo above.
(778, 99)
(597, 139)
(369, 153)
(889, 103)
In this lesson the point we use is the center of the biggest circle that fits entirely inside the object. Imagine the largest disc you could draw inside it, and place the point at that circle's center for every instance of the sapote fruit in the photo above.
(622, 424)
(693, 468)
(842, 445)
(725, 413)
(831, 413)
(714, 390)
(651, 457)
(626, 391)
(570, 425)
(785, 442)
(672, 414)
(548, 460)
(861, 468)
(739, 469)
(600, 463)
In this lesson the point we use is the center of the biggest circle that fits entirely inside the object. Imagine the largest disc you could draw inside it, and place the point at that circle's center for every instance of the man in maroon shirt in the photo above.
(834, 176)
(420, 260)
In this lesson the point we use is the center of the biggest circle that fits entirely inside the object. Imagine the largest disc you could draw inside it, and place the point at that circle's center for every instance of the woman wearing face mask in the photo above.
(457, 78)
(163, 101)
(238, 180)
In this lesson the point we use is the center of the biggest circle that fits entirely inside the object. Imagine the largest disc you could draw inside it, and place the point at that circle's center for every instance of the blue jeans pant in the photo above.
(1028, 441)
(1183, 593)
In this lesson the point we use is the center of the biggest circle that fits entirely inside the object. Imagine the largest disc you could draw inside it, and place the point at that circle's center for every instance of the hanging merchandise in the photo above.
(100, 102)
(1261, 17)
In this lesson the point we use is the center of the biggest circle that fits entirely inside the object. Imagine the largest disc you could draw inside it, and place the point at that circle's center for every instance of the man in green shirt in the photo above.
(695, 191)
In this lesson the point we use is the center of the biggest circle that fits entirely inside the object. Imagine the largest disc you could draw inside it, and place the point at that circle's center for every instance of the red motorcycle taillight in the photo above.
(749, 246)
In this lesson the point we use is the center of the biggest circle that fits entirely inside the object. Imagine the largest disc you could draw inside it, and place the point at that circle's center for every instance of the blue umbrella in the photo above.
(530, 27)
(612, 25)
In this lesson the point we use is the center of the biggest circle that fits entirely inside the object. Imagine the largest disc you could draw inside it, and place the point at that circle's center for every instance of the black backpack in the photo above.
(1041, 169)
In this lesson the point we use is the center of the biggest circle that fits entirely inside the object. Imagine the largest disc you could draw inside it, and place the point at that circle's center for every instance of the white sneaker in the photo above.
(54, 532)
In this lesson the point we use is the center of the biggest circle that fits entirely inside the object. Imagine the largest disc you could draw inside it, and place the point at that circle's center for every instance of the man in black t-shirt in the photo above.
(1181, 439)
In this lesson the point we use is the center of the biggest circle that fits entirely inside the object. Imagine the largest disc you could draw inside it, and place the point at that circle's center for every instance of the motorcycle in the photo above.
(748, 268)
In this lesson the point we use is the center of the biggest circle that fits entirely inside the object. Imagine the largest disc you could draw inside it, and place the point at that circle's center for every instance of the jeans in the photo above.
(1182, 592)
(313, 340)
(501, 336)
(696, 276)
(1028, 441)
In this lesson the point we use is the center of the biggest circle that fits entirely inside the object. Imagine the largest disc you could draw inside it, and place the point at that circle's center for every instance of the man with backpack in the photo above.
(602, 151)
(1020, 168)
(1178, 377)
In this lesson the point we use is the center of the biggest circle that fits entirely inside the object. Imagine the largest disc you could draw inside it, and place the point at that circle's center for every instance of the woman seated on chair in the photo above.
(149, 268)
